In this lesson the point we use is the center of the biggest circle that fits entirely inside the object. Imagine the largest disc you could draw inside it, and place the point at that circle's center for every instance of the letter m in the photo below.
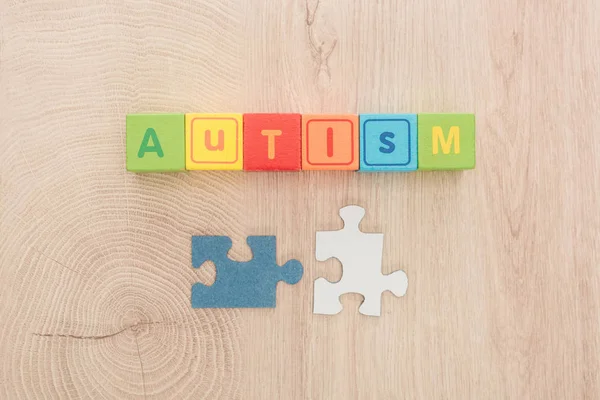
(438, 137)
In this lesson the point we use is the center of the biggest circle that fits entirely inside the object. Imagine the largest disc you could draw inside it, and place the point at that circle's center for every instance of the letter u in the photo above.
(220, 140)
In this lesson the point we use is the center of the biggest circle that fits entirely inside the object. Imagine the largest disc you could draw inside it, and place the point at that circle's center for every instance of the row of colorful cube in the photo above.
(292, 142)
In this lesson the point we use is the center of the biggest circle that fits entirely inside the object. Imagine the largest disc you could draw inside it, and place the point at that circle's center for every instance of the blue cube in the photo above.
(388, 142)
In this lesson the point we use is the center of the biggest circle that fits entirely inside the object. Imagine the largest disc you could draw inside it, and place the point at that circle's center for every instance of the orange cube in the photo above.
(330, 142)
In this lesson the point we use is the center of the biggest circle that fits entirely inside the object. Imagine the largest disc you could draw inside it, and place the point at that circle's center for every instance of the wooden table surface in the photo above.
(503, 261)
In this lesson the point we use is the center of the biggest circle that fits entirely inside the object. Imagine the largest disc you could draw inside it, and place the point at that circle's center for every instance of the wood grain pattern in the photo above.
(503, 261)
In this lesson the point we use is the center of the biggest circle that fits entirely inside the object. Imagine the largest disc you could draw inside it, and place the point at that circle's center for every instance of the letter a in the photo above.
(155, 148)
(220, 140)
(453, 137)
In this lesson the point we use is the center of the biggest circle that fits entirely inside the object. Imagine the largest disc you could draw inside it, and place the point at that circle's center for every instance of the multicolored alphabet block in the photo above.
(330, 142)
(214, 142)
(272, 142)
(155, 143)
(293, 142)
(446, 141)
(388, 142)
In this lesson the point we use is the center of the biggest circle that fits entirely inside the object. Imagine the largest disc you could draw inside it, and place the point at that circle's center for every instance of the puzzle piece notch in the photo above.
(361, 255)
(246, 284)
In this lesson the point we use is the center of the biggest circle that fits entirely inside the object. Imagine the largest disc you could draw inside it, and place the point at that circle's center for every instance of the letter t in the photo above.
(271, 133)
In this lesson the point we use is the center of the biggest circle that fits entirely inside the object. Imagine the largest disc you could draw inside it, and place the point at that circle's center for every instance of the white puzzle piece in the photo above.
(360, 254)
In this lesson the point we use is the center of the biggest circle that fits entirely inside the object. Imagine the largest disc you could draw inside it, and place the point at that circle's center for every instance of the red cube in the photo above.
(272, 142)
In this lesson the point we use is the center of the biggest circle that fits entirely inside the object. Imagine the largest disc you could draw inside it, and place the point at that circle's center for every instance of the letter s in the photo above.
(385, 140)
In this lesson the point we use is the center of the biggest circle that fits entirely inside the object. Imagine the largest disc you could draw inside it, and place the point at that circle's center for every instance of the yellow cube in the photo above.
(214, 141)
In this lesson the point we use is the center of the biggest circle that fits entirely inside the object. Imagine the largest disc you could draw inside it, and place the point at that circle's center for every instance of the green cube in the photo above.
(446, 141)
(155, 142)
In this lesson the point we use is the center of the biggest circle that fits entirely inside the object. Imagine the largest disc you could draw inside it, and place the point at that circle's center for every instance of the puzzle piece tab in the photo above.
(360, 254)
(249, 284)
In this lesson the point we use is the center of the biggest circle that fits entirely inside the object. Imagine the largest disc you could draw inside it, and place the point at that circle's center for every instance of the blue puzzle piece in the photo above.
(249, 284)
(388, 142)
